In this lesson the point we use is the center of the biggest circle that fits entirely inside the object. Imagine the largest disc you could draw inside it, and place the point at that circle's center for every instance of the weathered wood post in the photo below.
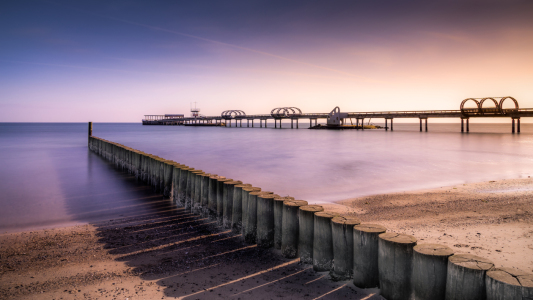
(291, 227)
(220, 199)
(395, 265)
(265, 220)
(197, 197)
(365, 255)
(182, 192)
(466, 277)
(323, 242)
(507, 283)
(212, 197)
(168, 168)
(245, 196)
(205, 195)
(278, 219)
(307, 232)
(229, 187)
(342, 236)
(236, 215)
(90, 132)
(175, 182)
(430, 264)
(250, 232)
(191, 189)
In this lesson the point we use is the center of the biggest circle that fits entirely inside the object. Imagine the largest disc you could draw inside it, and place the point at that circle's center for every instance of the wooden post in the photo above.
(90, 132)
(462, 125)
(512, 121)
(465, 277)
(426, 125)
(391, 127)
(420, 125)
(517, 125)
(467, 125)
(395, 256)
(386, 124)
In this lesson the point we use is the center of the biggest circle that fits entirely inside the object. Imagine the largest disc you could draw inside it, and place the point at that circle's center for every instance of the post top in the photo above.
(374, 228)
(512, 277)
(283, 199)
(251, 189)
(324, 214)
(433, 250)
(243, 185)
(352, 221)
(233, 182)
(267, 196)
(224, 179)
(257, 193)
(471, 261)
(296, 203)
(398, 238)
(312, 208)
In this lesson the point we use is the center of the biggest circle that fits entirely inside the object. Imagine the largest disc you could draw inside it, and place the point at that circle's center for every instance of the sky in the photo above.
(116, 61)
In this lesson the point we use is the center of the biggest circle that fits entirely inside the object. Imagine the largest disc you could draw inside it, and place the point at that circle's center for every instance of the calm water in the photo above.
(49, 178)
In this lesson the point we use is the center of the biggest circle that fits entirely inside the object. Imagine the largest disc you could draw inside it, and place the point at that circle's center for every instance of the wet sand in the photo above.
(173, 254)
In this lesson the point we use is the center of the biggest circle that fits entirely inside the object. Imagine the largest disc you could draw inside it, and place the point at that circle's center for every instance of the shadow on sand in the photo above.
(191, 258)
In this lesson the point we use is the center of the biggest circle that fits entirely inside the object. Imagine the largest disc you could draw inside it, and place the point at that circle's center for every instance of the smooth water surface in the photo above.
(49, 177)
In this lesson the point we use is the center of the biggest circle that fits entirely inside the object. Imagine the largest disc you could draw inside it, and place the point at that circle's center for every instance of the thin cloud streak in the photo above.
(222, 43)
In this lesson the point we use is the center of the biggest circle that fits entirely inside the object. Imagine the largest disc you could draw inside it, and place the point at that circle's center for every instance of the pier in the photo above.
(336, 118)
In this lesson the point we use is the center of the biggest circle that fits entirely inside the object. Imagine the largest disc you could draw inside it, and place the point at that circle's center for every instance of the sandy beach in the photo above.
(173, 254)
(490, 219)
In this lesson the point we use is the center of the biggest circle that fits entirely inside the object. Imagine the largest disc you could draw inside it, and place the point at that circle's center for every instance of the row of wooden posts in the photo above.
(364, 253)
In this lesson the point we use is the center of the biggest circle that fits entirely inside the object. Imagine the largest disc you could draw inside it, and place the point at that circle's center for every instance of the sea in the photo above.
(49, 178)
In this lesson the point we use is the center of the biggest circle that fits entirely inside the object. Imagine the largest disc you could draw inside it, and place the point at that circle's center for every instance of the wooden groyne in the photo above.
(365, 253)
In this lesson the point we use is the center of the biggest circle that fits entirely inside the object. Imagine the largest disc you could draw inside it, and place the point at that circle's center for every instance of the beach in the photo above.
(491, 219)
(174, 254)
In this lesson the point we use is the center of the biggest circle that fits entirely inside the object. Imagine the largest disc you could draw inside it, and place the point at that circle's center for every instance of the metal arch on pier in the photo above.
(285, 112)
(497, 110)
(232, 114)
(505, 98)
(466, 110)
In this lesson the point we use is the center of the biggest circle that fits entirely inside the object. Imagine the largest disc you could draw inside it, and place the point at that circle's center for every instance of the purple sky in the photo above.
(115, 61)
